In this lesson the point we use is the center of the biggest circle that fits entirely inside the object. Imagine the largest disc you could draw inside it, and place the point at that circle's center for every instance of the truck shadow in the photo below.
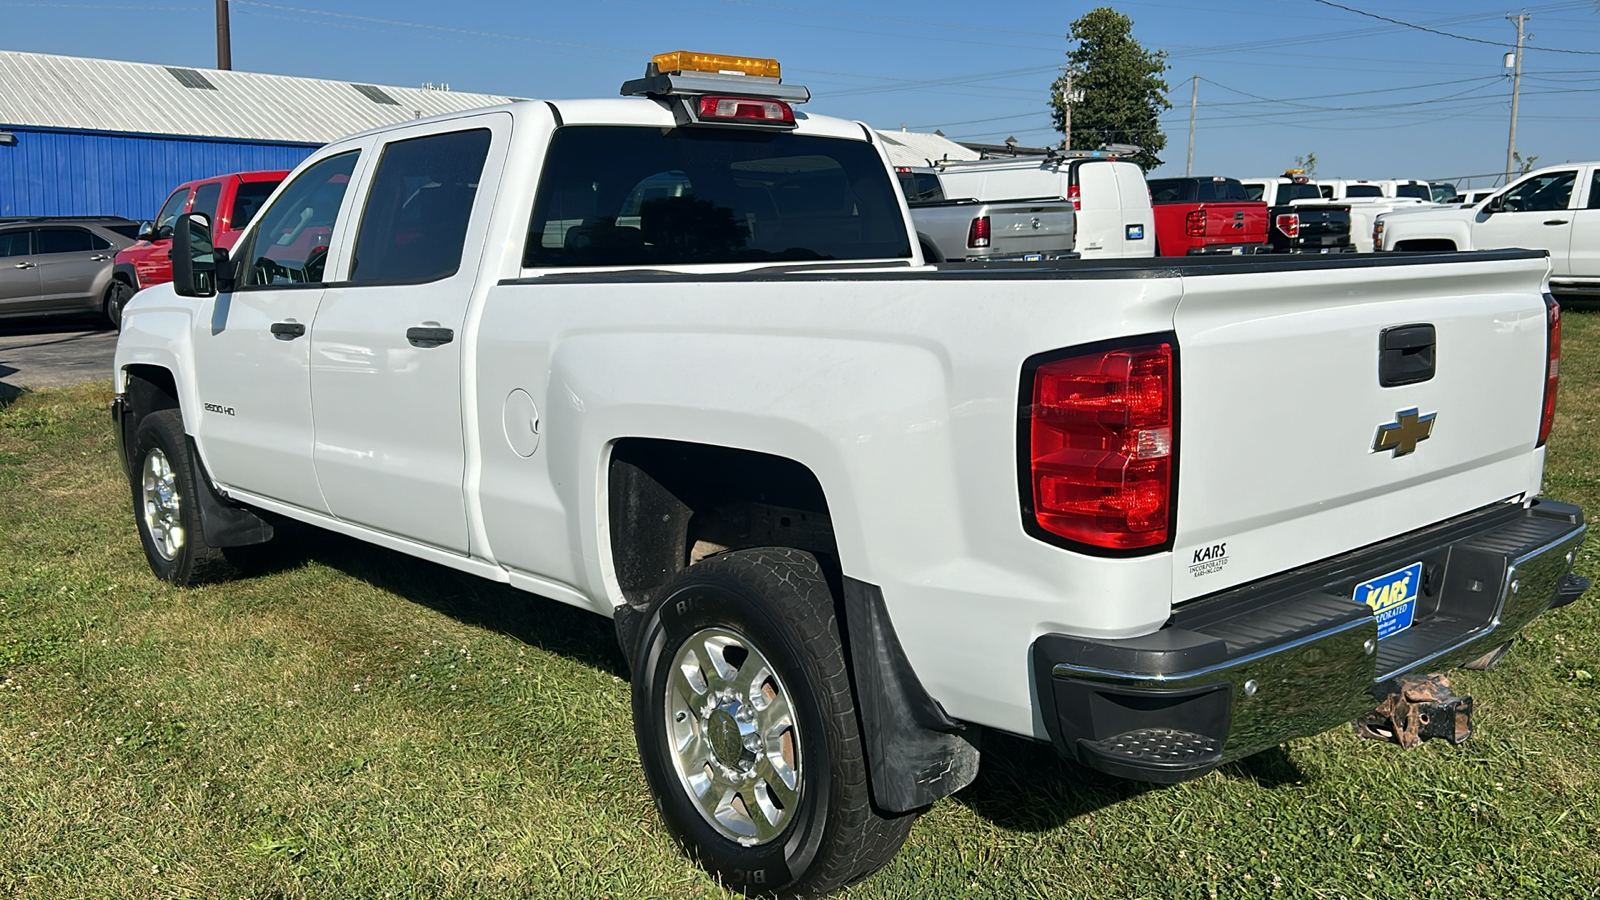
(1024, 785)
(534, 620)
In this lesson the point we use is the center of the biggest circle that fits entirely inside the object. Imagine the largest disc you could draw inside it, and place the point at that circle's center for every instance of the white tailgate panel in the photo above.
(1280, 405)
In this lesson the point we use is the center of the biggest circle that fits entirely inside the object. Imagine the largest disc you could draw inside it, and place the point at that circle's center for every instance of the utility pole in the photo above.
(224, 39)
(1516, 89)
(1066, 111)
(1194, 103)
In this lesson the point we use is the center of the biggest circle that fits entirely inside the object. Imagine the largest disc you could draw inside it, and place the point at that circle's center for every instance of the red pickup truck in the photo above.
(1207, 215)
(229, 201)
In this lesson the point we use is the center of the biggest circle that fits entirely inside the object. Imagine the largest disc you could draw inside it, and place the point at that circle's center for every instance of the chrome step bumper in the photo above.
(1244, 670)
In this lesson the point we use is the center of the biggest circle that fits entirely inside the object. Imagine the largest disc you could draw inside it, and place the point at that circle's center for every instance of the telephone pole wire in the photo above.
(1516, 89)
(1194, 102)
(224, 39)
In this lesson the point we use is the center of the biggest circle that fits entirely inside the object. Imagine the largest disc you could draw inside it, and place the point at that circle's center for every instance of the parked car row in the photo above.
(95, 264)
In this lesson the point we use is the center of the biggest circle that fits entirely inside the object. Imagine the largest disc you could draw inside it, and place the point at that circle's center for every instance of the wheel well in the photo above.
(930, 251)
(149, 389)
(675, 503)
(1434, 245)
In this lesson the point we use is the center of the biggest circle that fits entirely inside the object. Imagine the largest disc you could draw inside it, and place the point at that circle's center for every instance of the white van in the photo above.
(1110, 195)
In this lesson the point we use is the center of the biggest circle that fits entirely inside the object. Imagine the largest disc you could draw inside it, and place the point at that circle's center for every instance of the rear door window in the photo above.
(66, 240)
(415, 223)
(620, 196)
(247, 200)
(205, 201)
(1594, 191)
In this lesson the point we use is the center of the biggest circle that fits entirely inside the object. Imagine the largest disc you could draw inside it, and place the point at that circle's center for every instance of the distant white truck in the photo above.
(1556, 210)
(1370, 199)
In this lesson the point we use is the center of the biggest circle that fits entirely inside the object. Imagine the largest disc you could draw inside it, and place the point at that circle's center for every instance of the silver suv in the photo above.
(61, 265)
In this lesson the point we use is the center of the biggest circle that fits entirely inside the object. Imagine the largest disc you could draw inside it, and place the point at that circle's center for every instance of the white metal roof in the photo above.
(912, 148)
(106, 95)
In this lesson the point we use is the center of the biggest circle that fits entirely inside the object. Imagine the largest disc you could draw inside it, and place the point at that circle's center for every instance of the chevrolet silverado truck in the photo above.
(676, 358)
(972, 225)
(1556, 210)
(1207, 216)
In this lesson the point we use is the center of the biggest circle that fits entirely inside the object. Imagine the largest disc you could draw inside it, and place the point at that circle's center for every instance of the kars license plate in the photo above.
(1033, 257)
(1392, 598)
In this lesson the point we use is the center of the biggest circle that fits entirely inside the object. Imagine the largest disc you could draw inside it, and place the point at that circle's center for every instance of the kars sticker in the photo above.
(1392, 599)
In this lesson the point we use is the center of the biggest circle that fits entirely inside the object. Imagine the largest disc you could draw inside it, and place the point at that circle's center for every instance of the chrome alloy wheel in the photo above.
(732, 736)
(163, 513)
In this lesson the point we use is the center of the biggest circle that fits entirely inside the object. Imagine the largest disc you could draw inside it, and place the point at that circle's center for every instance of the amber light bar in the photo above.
(684, 61)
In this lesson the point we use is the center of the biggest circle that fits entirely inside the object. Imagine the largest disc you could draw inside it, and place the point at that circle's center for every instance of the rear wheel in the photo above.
(747, 727)
(165, 504)
(117, 296)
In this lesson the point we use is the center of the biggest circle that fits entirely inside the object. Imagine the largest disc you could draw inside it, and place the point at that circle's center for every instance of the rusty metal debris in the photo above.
(1421, 708)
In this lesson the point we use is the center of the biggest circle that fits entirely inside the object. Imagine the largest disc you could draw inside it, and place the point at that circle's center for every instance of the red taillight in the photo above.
(978, 232)
(1075, 196)
(746, 109)
(1194, 224)
(1289, 224)
(1100, 440)
(1552, 367)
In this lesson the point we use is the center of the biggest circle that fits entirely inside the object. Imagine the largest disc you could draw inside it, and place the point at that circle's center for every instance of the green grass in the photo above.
(358, 724)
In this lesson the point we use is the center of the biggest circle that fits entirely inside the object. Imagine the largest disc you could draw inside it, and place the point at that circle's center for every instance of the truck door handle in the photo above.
(23, 265)
(287, 331)
(1555, 221)
(99, 257)
(429, 337)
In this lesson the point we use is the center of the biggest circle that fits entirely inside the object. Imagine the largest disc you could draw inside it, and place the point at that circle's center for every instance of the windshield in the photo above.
(1419, 191)
(619, 196)
(1288, 192)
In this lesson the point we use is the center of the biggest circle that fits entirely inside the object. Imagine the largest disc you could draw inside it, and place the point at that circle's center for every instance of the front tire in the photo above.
(117, 296)
(747, 727)
(165, 504)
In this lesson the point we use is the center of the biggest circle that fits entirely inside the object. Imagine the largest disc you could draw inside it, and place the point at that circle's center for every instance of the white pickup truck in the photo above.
(1556, 210)
(675, 358)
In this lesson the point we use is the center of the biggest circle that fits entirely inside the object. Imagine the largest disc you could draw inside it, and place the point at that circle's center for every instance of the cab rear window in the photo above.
(623, 196)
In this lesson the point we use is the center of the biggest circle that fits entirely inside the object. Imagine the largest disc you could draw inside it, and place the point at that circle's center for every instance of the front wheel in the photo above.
(747, 727)
(165, 504)
(117, 296)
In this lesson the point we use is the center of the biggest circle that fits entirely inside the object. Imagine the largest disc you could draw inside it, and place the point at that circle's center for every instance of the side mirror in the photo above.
(1497, 203)
(194, 263)
(147, 231)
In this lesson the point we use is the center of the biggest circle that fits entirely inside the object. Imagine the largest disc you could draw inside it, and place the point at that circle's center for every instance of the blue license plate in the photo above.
(1392, 598)
(1033, 257)
(1135, 232)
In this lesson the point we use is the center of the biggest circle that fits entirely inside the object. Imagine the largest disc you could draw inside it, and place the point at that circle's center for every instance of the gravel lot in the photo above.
(37, 353)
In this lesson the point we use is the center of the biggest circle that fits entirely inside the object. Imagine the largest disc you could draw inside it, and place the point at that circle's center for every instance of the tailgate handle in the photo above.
(1405, 355)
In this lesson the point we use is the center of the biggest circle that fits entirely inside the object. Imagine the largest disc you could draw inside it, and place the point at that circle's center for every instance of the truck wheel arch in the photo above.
(672, 504)
(930, 250)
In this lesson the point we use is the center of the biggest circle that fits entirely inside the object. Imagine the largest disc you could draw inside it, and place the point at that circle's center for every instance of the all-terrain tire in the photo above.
(165, 505)
(117, 296)
(746, 615)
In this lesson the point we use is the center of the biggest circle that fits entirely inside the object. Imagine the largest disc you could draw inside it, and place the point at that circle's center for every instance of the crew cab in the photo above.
(1109, 196)
(676, 358)
(1556, 210)
(1206, 216)
(1300, 220)
(229, 201)
(967, 224)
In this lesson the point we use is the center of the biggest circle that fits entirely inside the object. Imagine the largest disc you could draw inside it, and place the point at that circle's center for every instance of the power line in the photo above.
(1459, 37)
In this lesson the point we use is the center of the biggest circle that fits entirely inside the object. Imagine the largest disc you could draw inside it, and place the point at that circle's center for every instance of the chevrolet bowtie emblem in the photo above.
(1403, 434)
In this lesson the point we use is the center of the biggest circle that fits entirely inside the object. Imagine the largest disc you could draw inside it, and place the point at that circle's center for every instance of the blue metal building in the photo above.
(102, 137)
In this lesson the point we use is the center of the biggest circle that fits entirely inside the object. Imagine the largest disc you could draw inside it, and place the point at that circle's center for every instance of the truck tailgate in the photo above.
(1024, 227)
(1280, 409)
(1235, 223)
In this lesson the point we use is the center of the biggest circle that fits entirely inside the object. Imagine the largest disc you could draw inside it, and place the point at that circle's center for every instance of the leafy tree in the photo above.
(1114, 87)
(1524, 163)
(1308, 163)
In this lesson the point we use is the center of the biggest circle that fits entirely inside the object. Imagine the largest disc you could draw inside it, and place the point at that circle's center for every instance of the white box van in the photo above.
(1109, 194)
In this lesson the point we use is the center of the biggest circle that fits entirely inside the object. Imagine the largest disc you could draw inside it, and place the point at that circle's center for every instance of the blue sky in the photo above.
(1279, 78)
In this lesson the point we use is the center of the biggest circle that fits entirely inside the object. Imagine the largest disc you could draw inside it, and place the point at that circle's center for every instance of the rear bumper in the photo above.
(1294, 655)
(1230, 249)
